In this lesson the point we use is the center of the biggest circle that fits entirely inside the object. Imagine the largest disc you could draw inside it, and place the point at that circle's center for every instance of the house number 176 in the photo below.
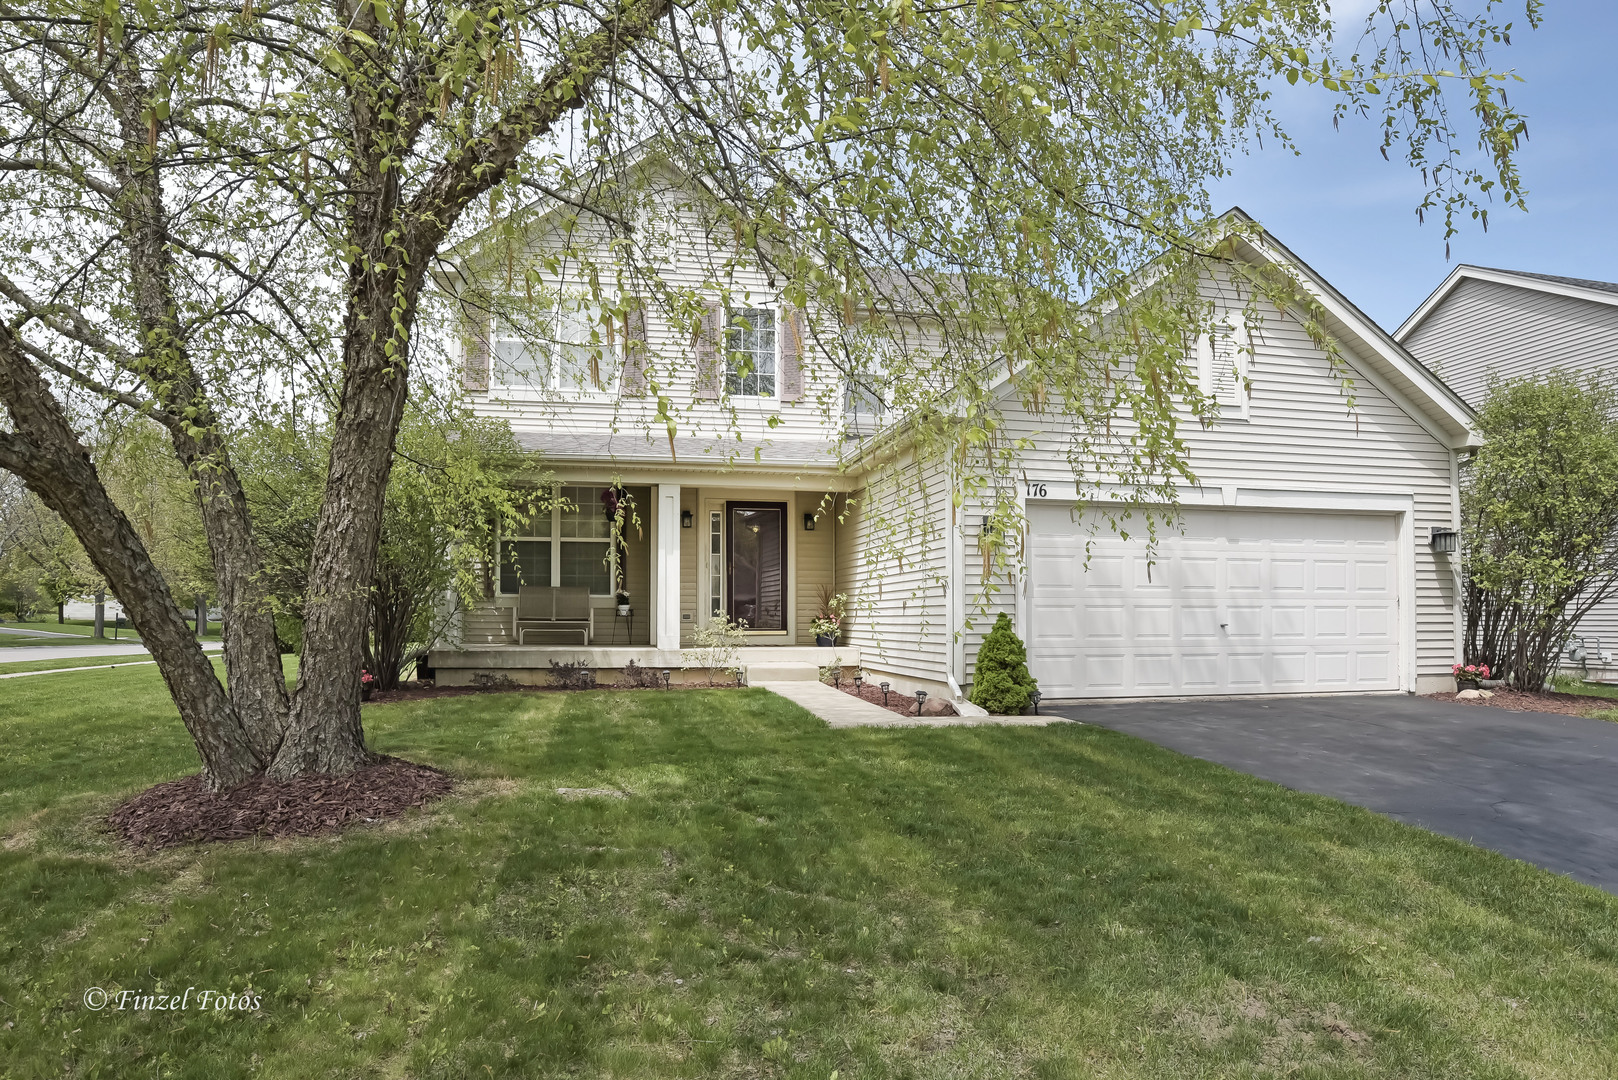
(1036, 491)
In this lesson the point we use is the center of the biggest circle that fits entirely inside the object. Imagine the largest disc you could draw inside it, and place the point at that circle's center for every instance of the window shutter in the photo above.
(710, 341)
(634, 377)
(475, 350)
(789, 354)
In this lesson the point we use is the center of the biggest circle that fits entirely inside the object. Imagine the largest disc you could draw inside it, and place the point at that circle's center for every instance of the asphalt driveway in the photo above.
(1535, 786)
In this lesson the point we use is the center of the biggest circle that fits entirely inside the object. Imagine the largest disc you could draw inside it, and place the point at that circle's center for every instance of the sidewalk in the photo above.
(841, 710)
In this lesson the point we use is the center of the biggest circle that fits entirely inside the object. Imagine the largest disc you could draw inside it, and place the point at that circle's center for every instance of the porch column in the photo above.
(666, 568)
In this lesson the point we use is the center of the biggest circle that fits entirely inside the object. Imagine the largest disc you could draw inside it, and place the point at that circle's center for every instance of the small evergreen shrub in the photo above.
(1001, 683)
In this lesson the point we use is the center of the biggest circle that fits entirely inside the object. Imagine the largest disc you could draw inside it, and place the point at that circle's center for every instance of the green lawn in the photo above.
(775, 899)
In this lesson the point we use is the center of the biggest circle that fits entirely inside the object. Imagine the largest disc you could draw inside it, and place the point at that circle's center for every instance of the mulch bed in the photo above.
(903, 704)
(1523, 701)
(184, 812)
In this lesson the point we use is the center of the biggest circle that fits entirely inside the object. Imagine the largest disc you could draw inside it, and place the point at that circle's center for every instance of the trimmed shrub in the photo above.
(1001, 683)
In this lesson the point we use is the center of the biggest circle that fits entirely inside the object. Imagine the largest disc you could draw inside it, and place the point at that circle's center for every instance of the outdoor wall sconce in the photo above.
(921, 699)
(685, 519)
(1444, 541)
(809, 522)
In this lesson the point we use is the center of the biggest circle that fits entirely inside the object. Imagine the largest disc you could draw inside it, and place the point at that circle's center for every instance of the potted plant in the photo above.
(827, 625)
(623, 601)
(1469, 676)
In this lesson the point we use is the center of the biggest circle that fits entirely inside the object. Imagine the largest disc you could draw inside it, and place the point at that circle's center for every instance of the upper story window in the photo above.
(566, 353)
(750, 353)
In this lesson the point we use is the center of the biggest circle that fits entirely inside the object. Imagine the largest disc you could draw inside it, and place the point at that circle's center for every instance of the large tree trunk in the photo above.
(325, 734)
(256, 684)
(48, 457)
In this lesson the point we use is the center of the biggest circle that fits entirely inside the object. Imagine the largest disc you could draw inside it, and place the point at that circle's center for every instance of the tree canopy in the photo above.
(216, 210)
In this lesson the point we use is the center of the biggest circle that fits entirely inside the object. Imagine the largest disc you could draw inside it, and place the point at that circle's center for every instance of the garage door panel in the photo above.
(1249, 602)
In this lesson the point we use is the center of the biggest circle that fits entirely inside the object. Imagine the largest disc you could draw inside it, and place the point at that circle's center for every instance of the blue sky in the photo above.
(1351, 215)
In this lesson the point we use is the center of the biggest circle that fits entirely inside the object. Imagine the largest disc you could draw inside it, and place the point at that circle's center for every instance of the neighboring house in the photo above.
(1304, 566)
(1482, 326)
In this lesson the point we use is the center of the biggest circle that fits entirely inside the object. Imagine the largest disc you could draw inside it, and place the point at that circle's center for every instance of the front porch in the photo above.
(530, 665)
(744, 550)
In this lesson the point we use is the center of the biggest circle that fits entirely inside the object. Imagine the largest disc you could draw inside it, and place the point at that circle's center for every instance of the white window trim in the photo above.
(546, 388)
(775, 316)
(556, 540)
(1236, 321)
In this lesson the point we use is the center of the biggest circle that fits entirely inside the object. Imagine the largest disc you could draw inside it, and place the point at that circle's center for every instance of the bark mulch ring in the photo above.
(903, 704)
(1523, 701)
(184, 812)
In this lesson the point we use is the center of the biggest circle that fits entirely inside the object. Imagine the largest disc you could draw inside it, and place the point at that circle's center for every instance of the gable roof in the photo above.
(1381, 360)
(1599, 292)
(1407, 381)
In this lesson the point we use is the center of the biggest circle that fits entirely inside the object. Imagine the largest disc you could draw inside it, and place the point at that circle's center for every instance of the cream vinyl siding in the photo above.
(816, 563)
(1300, 438)
(686, 260)
(896, 565)
(1485, 331)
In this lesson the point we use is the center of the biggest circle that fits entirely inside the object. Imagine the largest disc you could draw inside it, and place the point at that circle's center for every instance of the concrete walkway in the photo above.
(82, 667)
(23, 631)
(19, 653)
(841, 710)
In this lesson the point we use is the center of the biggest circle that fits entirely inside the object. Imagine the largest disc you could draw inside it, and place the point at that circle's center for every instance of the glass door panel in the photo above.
(757, 565)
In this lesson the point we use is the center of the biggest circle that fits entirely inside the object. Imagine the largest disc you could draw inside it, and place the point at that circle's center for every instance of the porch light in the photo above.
(921, 699)
(685, 519)
(884, 695)
(809, 521)
(1444, 541)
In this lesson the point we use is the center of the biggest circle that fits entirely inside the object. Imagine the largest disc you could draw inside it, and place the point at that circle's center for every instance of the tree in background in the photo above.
(212, 207)
(1540, 517)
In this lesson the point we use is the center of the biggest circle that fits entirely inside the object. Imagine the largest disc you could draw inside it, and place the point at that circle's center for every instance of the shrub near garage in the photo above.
(1000, 682)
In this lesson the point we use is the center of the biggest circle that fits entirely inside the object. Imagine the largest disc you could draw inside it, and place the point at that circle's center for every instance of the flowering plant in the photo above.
(828, 620)
(366, 678)
(1470, 671)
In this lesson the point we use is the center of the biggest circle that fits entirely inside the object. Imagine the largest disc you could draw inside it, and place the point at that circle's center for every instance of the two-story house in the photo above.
(1306, 562)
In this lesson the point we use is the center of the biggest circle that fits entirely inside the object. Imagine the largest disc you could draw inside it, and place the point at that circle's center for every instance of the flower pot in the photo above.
(826, 641)
(1466, 684)
(1491, 684)
(623, 609)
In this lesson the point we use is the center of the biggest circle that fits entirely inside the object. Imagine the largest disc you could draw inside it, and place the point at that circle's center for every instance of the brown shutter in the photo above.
(789, 354)
(634, 377)
(710, 343)
(475, 350)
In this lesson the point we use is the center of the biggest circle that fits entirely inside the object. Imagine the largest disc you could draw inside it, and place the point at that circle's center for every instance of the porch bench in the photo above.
(559, 615)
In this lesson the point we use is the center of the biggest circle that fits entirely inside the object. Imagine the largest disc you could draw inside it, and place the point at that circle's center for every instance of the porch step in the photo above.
(779, 672)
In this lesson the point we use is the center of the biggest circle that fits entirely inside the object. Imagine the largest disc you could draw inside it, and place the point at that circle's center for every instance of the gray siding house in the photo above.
(1483, 325)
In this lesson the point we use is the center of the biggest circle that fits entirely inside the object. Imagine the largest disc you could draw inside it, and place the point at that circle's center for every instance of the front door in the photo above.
(756, 564)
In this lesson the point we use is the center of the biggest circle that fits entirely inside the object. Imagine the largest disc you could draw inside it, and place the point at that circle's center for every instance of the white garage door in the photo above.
(1245, 602)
